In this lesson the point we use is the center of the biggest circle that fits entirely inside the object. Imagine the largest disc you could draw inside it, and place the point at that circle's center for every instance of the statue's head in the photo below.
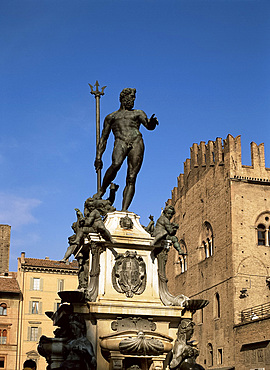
(169, 211)
(89, 204)
(127, 98)
(186, 327)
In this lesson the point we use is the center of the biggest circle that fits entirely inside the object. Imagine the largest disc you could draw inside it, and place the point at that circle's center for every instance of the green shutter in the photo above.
(39, 332)
(31, 283)
(30, 306)
(40, 307)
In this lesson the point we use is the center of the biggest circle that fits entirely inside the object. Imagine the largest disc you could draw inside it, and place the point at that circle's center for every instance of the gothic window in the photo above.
(263, 229)
(3, 309)
(207, 240)
(220, 356)
(206, 251)
(217, 306)
(3, 336)
(261, 234)
(180, 261)
(210, 355)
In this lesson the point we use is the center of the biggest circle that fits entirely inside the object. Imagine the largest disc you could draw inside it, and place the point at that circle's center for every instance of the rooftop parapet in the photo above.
(226, 154)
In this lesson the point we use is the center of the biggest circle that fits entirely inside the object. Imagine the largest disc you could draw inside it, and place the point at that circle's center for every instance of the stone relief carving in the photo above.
(129, 274)
(126, 223)
(141, 345)
(133, 323)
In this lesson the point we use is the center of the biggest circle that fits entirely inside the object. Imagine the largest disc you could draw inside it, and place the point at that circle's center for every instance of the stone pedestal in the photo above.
(127, 323)
(125, 318)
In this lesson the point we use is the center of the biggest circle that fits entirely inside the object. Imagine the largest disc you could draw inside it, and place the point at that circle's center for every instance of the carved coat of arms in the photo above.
(129, 274)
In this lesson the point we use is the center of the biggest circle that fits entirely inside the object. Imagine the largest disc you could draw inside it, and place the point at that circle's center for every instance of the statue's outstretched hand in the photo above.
(98, 164)
(153, 120)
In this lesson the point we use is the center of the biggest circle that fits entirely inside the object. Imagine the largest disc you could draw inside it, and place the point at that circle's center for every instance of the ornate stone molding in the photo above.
(91, 292)
(166, 297)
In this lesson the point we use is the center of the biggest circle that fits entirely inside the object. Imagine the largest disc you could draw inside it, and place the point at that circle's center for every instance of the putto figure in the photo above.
(166, 230)
(124, 124)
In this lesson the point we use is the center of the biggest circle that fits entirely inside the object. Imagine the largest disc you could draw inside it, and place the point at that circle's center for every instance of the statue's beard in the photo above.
(128, 103)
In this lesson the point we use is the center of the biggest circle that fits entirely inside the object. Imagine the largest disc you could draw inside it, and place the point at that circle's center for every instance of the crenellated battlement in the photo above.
(225, 156)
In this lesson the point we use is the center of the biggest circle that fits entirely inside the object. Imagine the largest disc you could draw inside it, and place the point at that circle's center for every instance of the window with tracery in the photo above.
(207, 240)
(180, 261)
(263, 229)
(3, 309)
(210, 355)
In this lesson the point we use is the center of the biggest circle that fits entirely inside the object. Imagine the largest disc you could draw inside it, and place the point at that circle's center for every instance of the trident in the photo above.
(97, 94)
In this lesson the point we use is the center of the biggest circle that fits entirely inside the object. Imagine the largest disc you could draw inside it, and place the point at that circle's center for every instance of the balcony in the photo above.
(255, 313)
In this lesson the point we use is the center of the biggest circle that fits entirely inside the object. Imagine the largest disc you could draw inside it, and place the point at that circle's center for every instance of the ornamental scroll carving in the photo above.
(129, 274)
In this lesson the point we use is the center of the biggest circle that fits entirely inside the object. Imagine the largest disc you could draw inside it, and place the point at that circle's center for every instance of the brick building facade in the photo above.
(223, 209)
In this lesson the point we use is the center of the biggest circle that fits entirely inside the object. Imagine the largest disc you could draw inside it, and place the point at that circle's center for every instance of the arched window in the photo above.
(3, 336)
(207, 240)
(206, 252)
(263, 229)
(3, 309)
(217, 306)
(180, 261)
(261, 234)
(210, 355)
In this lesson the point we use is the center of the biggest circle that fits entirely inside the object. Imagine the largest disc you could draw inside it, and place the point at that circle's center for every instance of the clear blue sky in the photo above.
(201, 66)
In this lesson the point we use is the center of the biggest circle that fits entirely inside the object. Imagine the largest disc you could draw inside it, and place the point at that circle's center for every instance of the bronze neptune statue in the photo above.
(124, 124)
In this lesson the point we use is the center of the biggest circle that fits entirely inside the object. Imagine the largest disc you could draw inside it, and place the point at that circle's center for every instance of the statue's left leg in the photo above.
(135, 159)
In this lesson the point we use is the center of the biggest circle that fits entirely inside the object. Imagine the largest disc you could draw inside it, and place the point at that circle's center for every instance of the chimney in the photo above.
(22, 257)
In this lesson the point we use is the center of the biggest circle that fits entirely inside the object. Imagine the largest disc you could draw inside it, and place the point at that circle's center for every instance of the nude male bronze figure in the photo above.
(124, 124)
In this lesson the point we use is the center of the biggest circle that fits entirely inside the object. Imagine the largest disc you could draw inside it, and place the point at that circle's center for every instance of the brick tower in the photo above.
(4, 248)
(223, 209)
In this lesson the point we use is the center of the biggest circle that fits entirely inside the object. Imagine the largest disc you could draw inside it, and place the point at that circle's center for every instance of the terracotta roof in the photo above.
(9, 284)
(47, 263)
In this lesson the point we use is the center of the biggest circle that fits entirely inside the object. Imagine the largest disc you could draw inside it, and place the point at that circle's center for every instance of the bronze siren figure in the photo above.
(124, 124)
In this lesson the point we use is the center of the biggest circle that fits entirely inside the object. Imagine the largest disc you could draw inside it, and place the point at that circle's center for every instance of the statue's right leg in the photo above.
(118, 156)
